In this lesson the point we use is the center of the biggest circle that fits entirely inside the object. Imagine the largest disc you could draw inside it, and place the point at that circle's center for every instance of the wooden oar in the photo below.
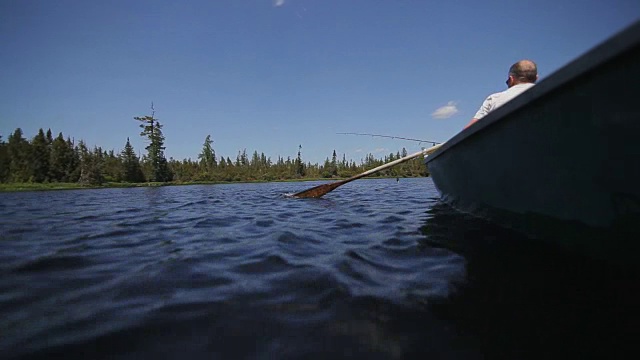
(320, 190)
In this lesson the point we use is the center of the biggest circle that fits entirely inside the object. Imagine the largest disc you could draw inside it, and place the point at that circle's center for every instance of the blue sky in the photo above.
(270, 75)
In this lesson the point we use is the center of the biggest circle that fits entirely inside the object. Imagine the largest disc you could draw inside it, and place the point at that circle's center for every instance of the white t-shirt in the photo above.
(496, 100)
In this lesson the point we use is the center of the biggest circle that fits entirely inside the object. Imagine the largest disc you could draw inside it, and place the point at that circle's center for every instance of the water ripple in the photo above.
(240, 271)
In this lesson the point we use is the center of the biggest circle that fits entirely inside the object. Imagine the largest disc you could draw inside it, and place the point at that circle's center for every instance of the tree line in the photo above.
(48, 159)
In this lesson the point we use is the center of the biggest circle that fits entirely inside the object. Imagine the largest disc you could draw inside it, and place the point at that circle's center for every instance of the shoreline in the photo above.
(24, 187)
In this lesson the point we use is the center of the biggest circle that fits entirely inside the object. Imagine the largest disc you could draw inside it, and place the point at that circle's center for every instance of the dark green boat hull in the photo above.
(562, 160)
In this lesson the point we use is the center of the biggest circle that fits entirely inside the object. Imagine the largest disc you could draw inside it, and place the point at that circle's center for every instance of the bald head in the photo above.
(524, 71)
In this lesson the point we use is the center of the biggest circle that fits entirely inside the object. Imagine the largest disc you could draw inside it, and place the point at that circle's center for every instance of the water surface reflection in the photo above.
(523, 298)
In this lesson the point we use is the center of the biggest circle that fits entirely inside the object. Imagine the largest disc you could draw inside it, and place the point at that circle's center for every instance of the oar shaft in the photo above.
(320, 190)
(390, 164)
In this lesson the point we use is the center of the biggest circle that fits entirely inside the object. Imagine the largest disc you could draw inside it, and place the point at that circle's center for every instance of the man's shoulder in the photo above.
(494, 95)
(521, 87)
(514, 90)
(498, 98)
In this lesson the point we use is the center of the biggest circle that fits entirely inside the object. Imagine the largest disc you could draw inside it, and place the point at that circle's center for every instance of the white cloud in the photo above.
(446, 111)
(379, 150)
(278, 2)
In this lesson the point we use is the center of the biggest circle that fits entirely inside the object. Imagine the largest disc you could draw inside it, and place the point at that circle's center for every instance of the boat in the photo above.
(561, 161)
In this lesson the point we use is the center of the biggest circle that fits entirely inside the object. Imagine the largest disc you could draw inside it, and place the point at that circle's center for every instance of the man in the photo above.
(522, 76)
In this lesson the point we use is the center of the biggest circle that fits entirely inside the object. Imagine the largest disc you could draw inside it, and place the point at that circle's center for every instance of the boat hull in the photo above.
(562, 160)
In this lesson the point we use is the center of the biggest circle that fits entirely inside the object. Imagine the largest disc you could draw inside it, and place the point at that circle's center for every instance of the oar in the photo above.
(320, 190)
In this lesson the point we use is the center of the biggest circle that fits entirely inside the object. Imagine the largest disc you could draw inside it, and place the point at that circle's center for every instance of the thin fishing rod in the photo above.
(392, 137)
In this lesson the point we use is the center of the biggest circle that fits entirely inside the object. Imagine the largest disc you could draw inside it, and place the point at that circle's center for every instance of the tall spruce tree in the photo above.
(152, 130)
(112, 166)
(208, 155)
(4, 161)
(59, 160)
(85, 163)
(72, 170)
(254, 163)
(299, 165)
(334, 164)
(91, 165)
(49, 137)
(97, 166)
(40, 157)
(19, 151)
(131, 169)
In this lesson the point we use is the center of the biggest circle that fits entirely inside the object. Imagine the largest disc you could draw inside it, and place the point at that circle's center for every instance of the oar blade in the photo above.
(317, 191)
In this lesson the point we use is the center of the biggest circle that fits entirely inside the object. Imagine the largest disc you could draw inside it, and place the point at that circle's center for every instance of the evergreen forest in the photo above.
(48, 159)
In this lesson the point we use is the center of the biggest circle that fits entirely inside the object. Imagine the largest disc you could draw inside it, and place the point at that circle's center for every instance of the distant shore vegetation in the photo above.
(45, 162)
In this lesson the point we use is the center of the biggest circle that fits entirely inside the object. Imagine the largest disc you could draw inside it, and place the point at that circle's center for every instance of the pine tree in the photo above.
(299, 165)
(208, 156)
(49, 138)
(152, 130)
(326, 168)
(96, 167)
(40, 157)
(254, 163)
(59, 159)
(334, 165)
(132, 171)
(112, 166)
(72, 169)
(85, 161)
(19, 152)
(91, 164)
(5, 161)
(244, 160)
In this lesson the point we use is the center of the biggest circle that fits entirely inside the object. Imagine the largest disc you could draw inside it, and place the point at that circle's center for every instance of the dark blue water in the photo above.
(378, 269)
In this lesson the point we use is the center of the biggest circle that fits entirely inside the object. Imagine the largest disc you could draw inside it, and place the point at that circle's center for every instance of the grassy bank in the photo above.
(70, 186)
(12, 187)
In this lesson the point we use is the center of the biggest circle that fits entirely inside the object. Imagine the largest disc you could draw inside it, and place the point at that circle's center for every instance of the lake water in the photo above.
(378, 269)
